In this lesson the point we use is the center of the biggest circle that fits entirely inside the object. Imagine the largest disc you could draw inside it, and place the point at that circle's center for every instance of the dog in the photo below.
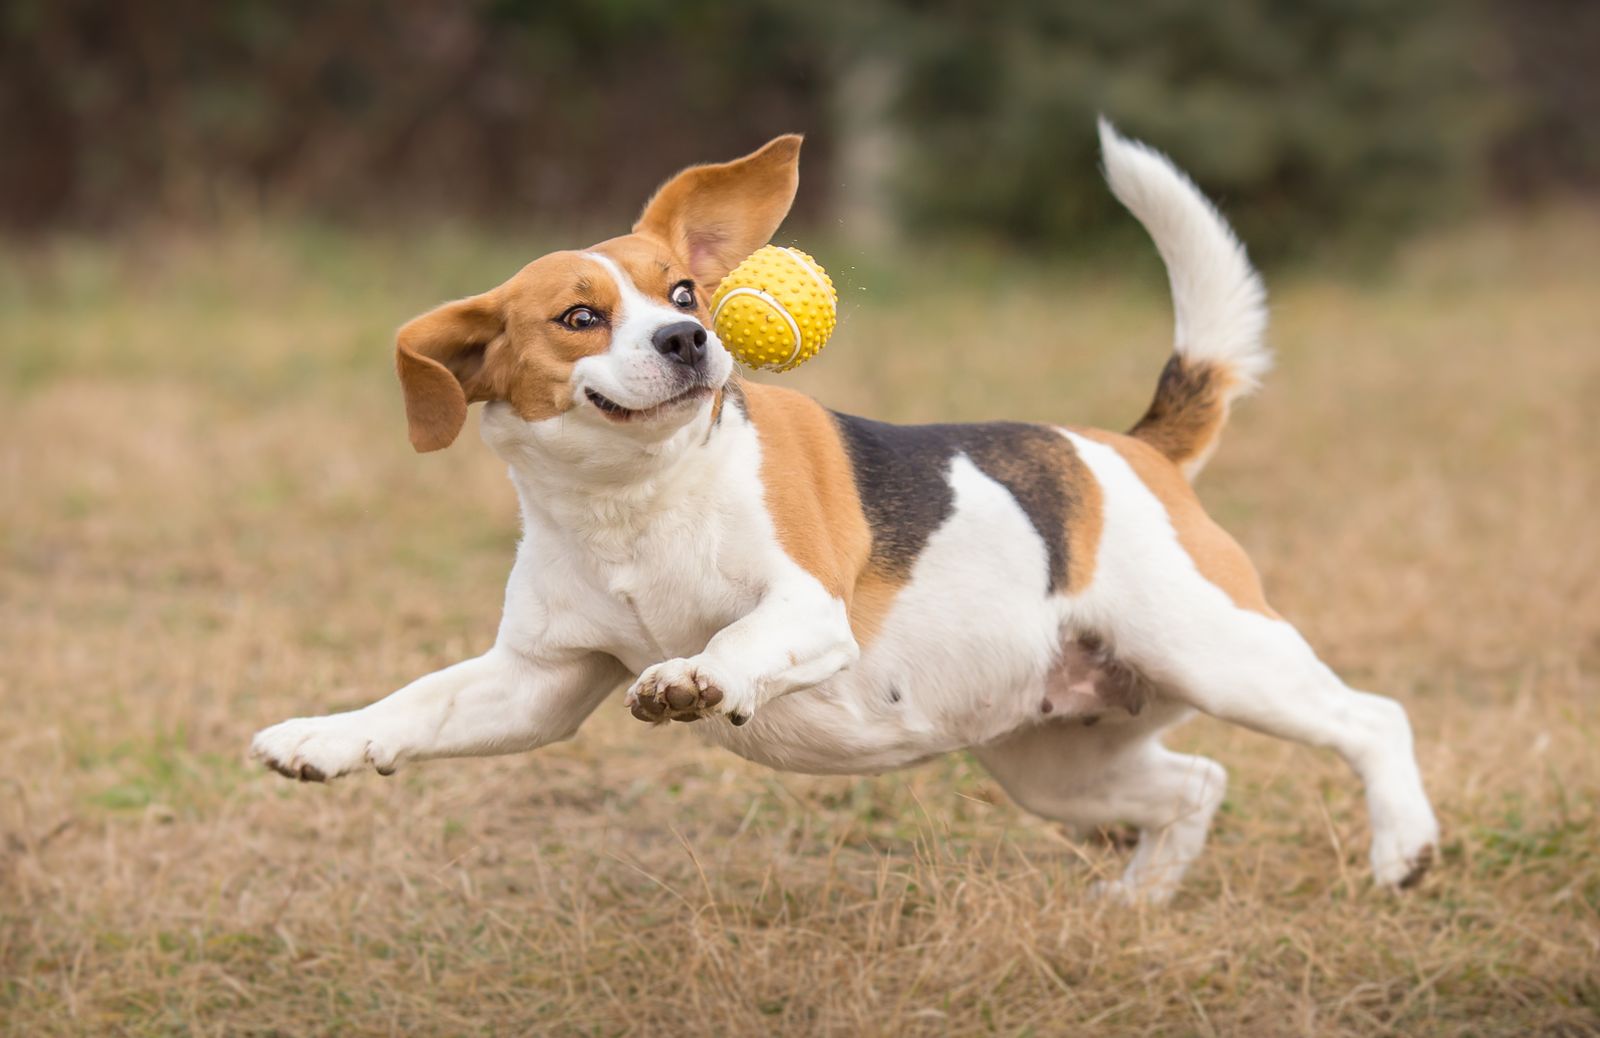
(835, 595)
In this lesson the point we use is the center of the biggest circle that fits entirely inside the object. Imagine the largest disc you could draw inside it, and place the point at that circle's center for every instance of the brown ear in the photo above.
(717, 215)
(440, 357)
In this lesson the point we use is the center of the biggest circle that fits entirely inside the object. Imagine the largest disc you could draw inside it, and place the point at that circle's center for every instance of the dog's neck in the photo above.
(606, 490)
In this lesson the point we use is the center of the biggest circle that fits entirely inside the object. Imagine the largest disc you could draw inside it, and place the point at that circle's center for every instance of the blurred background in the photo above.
(215, 213)
(1316, 121)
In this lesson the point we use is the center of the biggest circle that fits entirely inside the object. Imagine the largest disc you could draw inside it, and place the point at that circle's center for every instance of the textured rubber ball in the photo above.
(776, 309)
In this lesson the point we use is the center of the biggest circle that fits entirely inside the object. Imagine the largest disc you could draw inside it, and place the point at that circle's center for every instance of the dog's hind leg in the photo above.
(1176, 601)
(1259, 673)
(1116, 772)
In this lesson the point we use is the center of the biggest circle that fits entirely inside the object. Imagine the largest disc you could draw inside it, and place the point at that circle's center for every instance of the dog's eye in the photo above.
(682, 295)
(579, 318)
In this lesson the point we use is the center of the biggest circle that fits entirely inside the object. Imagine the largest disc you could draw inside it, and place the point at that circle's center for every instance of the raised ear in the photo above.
(440, 357)
(715, 216)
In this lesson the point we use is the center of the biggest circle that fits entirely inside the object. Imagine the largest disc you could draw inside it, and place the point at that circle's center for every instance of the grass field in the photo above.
(212, 521)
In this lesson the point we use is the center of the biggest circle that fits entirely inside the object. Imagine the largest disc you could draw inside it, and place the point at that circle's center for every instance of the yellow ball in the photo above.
(776, 309)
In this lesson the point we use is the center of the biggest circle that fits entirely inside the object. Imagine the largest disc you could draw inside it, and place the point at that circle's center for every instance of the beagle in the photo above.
(832, 594)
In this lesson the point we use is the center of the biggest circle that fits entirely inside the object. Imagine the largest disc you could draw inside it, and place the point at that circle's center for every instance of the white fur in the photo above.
(632, 372)
(1219, 304)
(1160, 615)
(1218, 301)
(648, 553)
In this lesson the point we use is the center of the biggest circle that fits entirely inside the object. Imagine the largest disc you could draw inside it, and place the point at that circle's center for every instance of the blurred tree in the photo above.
(1552, 134)
(486, 108)
(1349, 118)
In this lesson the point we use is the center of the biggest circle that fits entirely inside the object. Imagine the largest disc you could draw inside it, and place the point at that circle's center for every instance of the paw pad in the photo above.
(676, 701)
(679, 690)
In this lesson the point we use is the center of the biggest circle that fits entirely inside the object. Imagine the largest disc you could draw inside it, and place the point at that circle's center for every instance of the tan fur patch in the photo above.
(654, 269)
(714, 216)
(874, 596)
(1083, 525)
(435, 355)
(1216, 555)
(1188, 411)
(537, 369)
(505, 344)
(811, 495)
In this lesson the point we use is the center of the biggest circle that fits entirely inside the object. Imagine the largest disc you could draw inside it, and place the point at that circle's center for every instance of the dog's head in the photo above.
(618, 335)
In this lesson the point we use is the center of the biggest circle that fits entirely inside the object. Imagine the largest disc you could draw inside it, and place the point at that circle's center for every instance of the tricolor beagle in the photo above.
(832, 594)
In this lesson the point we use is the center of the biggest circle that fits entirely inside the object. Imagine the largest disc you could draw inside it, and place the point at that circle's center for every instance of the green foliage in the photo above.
(1323, 117)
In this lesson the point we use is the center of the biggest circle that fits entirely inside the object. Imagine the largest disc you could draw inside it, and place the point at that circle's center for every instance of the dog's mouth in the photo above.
(617, 413)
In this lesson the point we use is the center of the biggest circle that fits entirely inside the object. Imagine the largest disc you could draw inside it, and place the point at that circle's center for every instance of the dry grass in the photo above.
(212, 521)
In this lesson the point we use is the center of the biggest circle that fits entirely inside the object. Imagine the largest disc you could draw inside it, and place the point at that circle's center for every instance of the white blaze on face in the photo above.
(633, 373)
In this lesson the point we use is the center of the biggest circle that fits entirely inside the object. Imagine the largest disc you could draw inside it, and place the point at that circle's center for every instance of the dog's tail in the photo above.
(1217, 298)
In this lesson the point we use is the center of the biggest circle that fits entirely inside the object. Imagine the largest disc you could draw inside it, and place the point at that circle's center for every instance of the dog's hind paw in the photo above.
(1400, 861)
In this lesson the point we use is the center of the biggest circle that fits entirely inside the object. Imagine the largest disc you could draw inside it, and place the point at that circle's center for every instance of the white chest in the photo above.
(672, 597)
(653, 576)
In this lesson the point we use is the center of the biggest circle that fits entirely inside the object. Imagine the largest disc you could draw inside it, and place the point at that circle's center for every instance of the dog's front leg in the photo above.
(796, 637)
(501, 702)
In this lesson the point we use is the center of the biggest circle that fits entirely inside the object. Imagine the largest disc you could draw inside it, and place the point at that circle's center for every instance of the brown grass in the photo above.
(212, 521)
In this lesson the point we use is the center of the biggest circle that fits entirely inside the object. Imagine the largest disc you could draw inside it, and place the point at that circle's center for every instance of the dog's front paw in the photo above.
(682, 690)
(316, 749)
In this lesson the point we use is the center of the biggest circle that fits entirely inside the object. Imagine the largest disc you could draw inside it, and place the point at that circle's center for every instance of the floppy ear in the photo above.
(715, 216)
(440, 358)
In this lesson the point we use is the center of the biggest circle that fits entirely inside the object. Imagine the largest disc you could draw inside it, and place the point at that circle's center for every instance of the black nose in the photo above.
(684, 342)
